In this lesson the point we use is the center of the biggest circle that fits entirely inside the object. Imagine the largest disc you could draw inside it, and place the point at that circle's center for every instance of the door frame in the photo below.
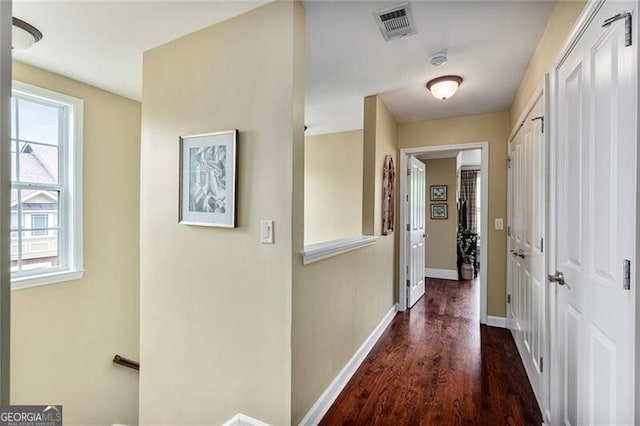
(591, 8)
(5, 182)
(484, 220)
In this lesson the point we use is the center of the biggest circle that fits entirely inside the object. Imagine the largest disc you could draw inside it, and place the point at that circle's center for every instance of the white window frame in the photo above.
(70, 199)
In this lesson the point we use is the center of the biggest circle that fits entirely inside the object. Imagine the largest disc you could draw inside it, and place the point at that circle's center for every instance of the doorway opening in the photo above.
(442, 200)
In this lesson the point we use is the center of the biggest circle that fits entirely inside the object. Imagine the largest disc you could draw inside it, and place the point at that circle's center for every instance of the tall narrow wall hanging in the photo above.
(388, 196)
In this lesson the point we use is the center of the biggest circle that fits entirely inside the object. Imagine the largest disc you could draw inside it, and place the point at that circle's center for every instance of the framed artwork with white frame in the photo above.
(208, 171)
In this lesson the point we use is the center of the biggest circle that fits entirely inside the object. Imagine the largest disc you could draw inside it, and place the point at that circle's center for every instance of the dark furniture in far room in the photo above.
(467, 243)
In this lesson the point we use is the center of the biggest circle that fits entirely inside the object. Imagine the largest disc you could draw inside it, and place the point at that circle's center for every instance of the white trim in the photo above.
(45, 279)
(636, 39)
(5, 182)
(589, 12)
(537, 94)
(322, 405)
(44, 94)
(484, 220)
(320, 251)
(403, 237)
(442, 274)
(493, 321)
(243, 420)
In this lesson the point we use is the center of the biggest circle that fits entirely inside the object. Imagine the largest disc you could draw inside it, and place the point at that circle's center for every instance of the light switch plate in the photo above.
(266, 232)
(499, 224)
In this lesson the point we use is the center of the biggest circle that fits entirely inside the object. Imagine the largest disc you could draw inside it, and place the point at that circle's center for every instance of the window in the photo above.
(39, 225)
(46, 186)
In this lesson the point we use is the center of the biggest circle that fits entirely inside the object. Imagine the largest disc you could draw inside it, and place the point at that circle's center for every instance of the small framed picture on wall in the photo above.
(208, 179)
(439, 211)
(438, 192)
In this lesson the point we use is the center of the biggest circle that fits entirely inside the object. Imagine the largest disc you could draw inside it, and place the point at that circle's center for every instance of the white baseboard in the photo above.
(443, 274)
(242, 420)
(322, 405)
(496, 321)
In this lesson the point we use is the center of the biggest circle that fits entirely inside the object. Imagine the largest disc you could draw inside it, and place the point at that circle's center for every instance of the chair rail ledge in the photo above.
(320, 251)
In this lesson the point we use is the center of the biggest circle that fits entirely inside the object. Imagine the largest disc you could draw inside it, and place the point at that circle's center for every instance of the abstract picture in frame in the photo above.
(439, 211)
(208, 171)
(438, 193)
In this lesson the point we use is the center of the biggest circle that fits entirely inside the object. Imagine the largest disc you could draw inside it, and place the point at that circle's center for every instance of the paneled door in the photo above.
(528, 299)
(595, 211)
(416, 220)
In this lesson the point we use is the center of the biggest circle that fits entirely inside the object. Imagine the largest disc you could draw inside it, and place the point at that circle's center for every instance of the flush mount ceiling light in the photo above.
(444, 87)
(24, 35)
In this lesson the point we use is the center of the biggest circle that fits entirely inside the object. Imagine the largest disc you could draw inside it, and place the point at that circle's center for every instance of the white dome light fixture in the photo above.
(24, 35)
(444, 87)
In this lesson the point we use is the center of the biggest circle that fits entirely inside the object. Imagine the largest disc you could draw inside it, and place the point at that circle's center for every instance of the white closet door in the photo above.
(528, 310)
(595, 231)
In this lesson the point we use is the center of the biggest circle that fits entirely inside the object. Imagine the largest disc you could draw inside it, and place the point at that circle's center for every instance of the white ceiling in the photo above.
(101, 42)
(489, 44)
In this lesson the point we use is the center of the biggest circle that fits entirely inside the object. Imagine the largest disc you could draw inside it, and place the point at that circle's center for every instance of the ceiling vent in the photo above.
(395, 21)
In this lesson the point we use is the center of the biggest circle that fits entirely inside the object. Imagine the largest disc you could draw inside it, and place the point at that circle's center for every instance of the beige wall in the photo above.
(339, 301)
(440, 248)
(560, 23)
(64, 335)
(215, 303)
(494, 128)
(380, 140)
(337, 304)
(333, 186)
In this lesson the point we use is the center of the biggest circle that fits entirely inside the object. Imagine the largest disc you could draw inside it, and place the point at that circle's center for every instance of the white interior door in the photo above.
(528, 307)
(416, 220)
(595, 211)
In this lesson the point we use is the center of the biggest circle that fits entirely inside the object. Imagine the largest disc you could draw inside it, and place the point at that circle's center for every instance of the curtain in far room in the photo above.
(468, 193)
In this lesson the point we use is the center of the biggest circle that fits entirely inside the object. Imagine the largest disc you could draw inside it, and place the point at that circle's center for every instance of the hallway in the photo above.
(435, 365)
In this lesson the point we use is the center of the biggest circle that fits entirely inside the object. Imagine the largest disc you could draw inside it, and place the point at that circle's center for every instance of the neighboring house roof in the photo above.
(39, 206)
(38, 163)
(33, 198)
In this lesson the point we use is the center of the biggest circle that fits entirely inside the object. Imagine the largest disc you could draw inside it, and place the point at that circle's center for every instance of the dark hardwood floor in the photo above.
(435, 365)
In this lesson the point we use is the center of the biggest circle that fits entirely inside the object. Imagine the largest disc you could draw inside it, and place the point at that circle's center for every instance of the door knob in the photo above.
(519, 253)
(557, 278)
